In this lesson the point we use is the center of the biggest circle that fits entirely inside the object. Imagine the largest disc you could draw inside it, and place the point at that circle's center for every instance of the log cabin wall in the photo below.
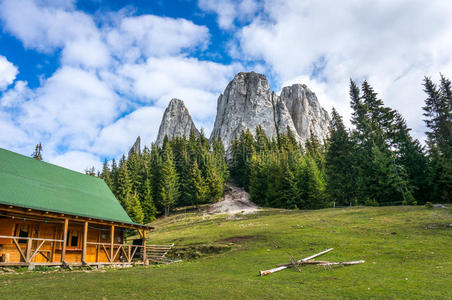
(50, 252)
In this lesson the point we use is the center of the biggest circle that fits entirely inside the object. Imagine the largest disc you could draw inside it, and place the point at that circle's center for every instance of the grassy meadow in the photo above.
(408, 253)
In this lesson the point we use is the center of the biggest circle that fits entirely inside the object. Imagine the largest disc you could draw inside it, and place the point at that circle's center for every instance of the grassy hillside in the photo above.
(407, 252)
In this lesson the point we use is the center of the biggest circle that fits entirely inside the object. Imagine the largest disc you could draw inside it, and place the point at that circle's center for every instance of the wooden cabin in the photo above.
(50, 215)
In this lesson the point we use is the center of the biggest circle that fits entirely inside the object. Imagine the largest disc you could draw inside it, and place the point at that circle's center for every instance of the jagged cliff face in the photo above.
(136, 148)
(245, 104)
(248, 102)
(176, 122)
(306, 113)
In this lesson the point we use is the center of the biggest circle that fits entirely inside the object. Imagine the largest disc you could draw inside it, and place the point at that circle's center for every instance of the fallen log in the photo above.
(344, 263)
(266, 272)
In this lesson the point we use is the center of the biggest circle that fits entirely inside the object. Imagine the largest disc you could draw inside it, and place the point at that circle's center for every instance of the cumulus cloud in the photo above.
(150, 35)
(115, 79)
(8, 72)
(229, 11)
(393, 44)
(57, 26)
(117, 138)
(76, 160)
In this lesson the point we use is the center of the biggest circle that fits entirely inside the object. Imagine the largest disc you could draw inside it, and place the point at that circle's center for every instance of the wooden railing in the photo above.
(152, 252)
(128, 250)
(29, 253)
(157, 253)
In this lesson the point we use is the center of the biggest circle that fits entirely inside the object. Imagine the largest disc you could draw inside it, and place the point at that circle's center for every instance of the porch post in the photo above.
(145, 260)
(63, 250)
(85, 240)
(112, 241)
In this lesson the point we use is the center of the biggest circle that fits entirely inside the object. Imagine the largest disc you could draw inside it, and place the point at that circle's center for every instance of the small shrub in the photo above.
(429, 205)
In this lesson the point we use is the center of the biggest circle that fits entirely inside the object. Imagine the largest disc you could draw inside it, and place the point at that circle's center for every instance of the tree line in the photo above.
(182, 172)
(376, 162)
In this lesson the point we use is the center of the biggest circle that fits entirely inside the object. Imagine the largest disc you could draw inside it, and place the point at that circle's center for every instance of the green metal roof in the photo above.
(30, 183)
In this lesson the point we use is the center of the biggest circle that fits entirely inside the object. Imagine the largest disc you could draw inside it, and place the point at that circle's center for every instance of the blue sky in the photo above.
(85, 78)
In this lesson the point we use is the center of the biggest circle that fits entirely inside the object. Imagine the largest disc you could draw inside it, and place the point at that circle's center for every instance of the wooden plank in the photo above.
(106, 253)
(112, 240)
(28, 251)
(20, 250)
(145, 260)
(36, 251)
(85, 239)
(123, 249)
(117, 251)
(63, 250)
(133, 254)
(27, 238)
(97, 247)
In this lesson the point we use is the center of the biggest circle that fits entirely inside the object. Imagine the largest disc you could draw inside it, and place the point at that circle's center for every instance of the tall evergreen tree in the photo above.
(147, 203)
(38, 152)
(438, 113)
(340, 169)
(198, 187)
(169, 181)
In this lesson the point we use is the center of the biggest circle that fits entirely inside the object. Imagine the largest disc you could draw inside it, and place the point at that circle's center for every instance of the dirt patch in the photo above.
(237, 239)
(235, 200)
(196, 251)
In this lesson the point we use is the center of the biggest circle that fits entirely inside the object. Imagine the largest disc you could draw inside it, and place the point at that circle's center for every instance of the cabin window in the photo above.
(72, 239)
(22, 231)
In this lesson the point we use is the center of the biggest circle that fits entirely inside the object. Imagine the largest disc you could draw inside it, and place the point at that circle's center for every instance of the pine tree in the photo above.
(340, 169)
(124, 188)
(198, 187)
(169, 181)
(106, 175)
(438, 113)
(147, 203)
(38, 152)
(133, 207)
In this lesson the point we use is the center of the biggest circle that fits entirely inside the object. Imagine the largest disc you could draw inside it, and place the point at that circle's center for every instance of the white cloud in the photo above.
(8, 73)
(115, 79)
(76, 160)
(229, 11)
(391, 43)
(196, 82)
(118, 137)
(47, 28)
(149, 35)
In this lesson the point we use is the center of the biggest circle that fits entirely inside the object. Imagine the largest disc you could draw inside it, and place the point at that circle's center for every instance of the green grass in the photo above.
(408, 253)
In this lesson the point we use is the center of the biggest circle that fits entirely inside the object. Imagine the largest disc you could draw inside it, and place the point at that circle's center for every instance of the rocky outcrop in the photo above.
(176, 122)
(248, 102)
(136, 148)
(306, 113)
(245, 104)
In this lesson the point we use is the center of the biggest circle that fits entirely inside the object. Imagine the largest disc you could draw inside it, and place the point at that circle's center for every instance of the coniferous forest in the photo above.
(377, 162)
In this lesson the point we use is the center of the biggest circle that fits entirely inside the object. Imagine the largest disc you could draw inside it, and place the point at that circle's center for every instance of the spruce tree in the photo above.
(169, 181)
(438, 113)
(38, 152)
(147, 203)
(198, 187)
(106, 175)
(340, 169)
(133, 207)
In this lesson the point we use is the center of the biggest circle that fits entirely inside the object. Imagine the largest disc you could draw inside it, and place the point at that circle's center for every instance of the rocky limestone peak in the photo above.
(245, 103)
(136, 148)
(248, 102)
(307, 114)
(176, 122)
